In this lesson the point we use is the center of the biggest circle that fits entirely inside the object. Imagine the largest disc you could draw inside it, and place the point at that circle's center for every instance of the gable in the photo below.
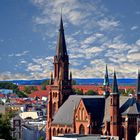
(81, 113)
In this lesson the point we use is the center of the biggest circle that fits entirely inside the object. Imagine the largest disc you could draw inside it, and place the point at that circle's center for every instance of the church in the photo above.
(67, 113)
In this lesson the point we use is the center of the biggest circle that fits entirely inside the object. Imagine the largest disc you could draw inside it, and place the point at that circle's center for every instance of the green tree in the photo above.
(74, 82)
(5, 126)
(21, 94)
(130, 91)
(78, 92)
(11, 86)
(44, 84)
(41, 138)
(8, 85)
(91, 92)
(122, 92)
(29, 89)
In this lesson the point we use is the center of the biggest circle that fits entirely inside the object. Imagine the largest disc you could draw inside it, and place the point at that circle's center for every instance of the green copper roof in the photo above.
(106, 79)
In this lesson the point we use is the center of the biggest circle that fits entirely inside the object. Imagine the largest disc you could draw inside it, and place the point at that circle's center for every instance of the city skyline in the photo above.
(97, 33)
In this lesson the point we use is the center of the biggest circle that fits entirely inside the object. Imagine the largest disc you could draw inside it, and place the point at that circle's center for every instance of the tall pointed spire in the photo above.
(115, 85)
(138, 83)
(61, 44)
(51, 80)
(70, 75)
(106, 78)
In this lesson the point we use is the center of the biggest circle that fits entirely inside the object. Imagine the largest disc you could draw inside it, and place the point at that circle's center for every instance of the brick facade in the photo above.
(122, 120)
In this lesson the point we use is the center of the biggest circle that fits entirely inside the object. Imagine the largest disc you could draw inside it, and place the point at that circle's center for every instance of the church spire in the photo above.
(114, 84)
(51, 80)
(106, 83)
(61, 44)
(138, 88)
(106, 78)
(138, 83)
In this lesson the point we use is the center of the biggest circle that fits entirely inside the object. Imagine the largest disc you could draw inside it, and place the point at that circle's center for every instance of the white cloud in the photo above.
(134, 28)
(107, 24)
(32, 67)
(90, 39)
(138, 42)
(134, 56)
(23, 62)
(138, 12)
(8, 76)
(22, 53)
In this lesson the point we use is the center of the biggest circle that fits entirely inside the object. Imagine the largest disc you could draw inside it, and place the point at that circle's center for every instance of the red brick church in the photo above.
(112, 114)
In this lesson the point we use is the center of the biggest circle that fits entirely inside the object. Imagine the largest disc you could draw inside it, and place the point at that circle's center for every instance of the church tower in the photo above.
(138, 88)
(114, 108)
(106, 83)
(60, 83)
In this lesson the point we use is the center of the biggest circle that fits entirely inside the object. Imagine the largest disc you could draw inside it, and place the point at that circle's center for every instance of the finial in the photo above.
(61, 11)
(61, 21)
(114, 70)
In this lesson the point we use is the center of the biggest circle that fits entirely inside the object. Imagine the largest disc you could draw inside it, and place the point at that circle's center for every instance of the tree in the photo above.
(130, 91)
(8, 85)
(77, 91)
(41, 138)
(5, 126)
(122, 92)
(21, 94)
(11, 86)
(91, 92)
(29, 89)
(74, 82)
(44, 84)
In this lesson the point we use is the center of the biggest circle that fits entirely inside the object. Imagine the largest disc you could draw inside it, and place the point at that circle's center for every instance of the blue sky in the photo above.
(97, 32)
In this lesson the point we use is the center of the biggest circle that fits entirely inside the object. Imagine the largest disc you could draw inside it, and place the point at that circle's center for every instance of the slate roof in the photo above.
(98, 106)
(123, 99)
(66, 111)
(131, 106)
(95, 106)
(132, 109)
(61, 44)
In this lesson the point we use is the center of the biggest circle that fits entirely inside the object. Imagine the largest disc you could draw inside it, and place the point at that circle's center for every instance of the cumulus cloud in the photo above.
(134, 28)
(19, 54)
(14, 76)
(106, 24)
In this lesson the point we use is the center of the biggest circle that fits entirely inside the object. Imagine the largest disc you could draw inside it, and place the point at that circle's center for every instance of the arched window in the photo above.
(65, 131)
(57, 131)
(133, 133)
(122, 132)
(54, 132)
(69, 131)
(61, 131)
(82, 114)
(53, 109)
(81, 129)
(111, 101)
